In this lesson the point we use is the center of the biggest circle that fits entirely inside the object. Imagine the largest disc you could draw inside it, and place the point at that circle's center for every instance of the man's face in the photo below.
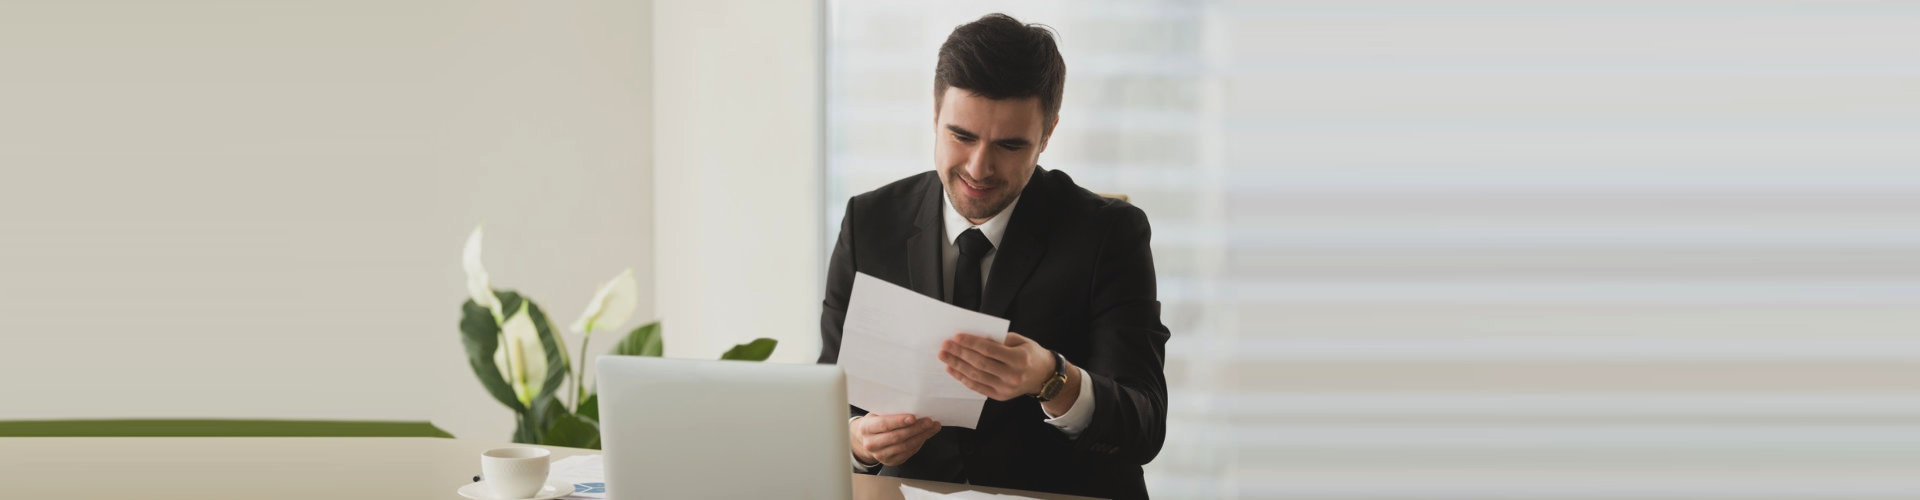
(985, 149)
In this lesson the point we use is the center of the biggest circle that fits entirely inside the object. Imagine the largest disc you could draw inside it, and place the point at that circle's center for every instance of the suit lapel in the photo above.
(1020, 249)
(923, 244)
(940, 459)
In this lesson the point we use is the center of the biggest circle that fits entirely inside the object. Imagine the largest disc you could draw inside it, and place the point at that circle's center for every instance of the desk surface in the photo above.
(255, 468)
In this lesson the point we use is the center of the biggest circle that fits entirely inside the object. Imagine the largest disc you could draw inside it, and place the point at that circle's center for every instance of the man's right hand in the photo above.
(889, 439)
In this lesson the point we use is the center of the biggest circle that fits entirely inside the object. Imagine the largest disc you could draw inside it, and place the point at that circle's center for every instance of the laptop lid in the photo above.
(675, 428)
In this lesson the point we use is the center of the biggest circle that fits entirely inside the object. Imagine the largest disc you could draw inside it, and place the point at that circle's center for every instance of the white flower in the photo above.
(524, 354)
(478, 286)
(612, 306)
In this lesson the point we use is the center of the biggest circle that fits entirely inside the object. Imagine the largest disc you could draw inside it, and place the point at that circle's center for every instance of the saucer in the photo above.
(554, 489)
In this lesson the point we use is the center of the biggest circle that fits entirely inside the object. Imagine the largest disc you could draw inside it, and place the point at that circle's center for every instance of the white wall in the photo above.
(248, 209)
(737, 176)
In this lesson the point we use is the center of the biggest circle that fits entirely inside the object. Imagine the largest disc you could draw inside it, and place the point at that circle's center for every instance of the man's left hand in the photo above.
(999, 371)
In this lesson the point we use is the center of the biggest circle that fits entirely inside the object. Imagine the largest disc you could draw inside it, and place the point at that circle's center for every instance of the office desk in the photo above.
(257, 468)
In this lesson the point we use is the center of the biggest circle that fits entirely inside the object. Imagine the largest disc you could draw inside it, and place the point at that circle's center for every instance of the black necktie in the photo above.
(966, 275)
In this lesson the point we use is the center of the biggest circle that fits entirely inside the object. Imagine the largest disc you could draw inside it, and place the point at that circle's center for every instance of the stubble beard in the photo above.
(981, 209)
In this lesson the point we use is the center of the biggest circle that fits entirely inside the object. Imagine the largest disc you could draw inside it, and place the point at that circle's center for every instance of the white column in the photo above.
(737, 134)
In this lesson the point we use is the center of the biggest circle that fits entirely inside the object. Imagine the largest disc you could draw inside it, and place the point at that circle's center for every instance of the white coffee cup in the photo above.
(514, 473)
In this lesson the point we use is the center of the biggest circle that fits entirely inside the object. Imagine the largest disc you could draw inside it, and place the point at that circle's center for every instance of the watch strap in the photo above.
(1052, 386)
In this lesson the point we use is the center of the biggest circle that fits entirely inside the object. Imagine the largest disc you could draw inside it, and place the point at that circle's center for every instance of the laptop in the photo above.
(675, 428)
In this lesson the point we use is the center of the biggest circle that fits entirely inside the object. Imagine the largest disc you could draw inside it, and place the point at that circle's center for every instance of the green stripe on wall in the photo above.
(218, 428)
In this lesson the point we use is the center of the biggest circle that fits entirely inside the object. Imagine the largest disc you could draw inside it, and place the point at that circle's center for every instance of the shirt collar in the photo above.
(994, 228)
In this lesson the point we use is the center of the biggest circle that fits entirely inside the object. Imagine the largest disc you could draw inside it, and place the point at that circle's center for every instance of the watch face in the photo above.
(1051, 388)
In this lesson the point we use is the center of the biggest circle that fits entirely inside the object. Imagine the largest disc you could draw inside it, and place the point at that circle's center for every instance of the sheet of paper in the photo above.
(890, 348)
(587, 473)
(912, 493)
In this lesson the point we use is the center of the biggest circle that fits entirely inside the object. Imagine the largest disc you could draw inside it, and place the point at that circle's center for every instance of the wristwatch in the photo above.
(1051, 388)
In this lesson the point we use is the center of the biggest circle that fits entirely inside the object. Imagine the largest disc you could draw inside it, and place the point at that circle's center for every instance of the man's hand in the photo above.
(889, 439)
(1001, 372)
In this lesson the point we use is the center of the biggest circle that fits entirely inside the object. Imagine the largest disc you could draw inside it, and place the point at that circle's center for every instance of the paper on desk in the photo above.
(587, 473)
(890, 347)
(912, 493)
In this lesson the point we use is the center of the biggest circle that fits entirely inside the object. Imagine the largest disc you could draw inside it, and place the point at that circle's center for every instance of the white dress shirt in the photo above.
(1076, 418)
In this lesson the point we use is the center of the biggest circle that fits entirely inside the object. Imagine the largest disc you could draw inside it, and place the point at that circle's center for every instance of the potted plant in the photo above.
(513, 350)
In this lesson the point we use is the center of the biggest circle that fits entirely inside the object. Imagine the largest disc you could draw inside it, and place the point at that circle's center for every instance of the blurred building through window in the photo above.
(1485, 249)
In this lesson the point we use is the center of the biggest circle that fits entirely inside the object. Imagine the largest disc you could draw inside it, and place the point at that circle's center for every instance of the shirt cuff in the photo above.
(860, 467)
(1080, 415)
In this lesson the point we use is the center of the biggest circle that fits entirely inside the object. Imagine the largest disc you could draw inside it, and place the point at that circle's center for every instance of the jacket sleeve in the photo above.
(1128, 353)
(833, 310)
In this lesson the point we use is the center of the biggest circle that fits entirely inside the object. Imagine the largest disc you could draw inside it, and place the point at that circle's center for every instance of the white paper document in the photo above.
(587, 473)
(912, 493)
(890, 348)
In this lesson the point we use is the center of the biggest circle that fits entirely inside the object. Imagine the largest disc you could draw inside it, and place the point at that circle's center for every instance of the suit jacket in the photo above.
(1074, 273)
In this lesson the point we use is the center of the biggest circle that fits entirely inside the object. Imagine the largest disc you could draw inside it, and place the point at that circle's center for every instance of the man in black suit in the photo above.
(1077, 397)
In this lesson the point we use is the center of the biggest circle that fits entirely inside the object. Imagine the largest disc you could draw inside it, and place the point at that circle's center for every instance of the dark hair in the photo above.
(999, 57)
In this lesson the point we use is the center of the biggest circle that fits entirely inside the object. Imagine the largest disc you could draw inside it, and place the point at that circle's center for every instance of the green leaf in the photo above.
(591, 407)
(555, 351)
(481, 335)
(557, 369)
(523, 429)
(544, 413)
(757, 350)
(572, 431)
(509, 301)
(642, 341)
